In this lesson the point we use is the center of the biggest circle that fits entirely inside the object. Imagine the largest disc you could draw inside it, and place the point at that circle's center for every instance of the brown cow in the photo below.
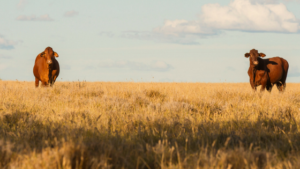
(46, 67)
(267, 72)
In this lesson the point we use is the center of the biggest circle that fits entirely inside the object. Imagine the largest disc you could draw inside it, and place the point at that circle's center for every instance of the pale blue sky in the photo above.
(170, 40)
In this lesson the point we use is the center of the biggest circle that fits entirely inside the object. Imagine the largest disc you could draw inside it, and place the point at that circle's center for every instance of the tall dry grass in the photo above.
(148, 125)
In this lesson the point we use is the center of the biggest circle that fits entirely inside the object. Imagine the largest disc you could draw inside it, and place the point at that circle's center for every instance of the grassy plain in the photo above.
(148, 125)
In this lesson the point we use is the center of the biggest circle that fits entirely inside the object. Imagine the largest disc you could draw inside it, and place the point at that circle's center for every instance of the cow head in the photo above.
(254, 55)
(48, 54)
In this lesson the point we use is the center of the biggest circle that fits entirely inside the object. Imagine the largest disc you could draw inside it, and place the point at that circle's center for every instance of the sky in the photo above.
(149, 40)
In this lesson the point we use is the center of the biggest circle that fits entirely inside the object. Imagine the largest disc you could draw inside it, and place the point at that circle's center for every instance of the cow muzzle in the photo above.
(255, 63)
(49, 62)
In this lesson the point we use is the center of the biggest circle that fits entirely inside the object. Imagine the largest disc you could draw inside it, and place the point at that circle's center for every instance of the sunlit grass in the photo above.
(148, 125)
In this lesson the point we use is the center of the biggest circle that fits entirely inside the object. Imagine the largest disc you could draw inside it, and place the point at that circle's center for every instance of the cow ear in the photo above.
(247, 55)
(55, 54)
(42, 54)
(262, 55)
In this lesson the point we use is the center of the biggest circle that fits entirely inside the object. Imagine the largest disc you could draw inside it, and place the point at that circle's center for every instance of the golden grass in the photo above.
(148, 125)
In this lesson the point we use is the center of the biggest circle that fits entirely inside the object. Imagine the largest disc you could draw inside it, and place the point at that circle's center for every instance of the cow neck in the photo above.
(255, 68)
(254, 71)
(49, 68)
(254, 74)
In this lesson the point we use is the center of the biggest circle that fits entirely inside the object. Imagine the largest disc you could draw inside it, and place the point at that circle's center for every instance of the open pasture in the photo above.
(148, 125)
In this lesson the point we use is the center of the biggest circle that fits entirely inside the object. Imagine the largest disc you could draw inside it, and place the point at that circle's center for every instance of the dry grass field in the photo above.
(148, 125)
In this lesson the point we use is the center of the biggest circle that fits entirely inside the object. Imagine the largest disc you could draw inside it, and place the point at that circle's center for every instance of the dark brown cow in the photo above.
(46, 67)
(267, 72)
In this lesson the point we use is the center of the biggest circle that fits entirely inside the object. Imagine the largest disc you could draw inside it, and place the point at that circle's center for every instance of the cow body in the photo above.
(267, 72)
(46, 67)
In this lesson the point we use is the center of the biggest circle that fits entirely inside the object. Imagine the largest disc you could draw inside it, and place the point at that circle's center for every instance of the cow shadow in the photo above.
(140, 139)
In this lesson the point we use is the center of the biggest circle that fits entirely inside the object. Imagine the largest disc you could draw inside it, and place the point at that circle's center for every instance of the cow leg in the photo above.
(263, 87)
(45, 84)
(52, 83)
(37, 82)
(280, 86)
(53, 80)
(283, 79)
(283, 84)
(254, 88)
(252, 85)
(283, 87)
(264, 84)
(269, 88)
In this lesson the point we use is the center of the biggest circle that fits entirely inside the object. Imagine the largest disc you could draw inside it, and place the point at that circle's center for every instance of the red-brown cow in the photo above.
(46, 67)
(267, 72)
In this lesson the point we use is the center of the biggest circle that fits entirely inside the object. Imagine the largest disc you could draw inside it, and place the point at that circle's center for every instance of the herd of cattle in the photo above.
(264, 72)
